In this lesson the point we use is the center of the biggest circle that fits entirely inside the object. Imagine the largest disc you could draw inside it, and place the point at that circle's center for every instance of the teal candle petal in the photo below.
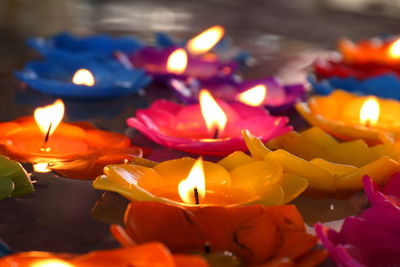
(6, 187)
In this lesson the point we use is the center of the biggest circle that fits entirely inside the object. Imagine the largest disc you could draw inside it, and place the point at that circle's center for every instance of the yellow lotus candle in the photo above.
(237, 179)
(328, 164)
(350, 117)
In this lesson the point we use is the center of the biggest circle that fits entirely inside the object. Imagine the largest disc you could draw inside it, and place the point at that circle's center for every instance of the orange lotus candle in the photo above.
(77, 150)
(151, 254)
(379, 51)
(348, 116)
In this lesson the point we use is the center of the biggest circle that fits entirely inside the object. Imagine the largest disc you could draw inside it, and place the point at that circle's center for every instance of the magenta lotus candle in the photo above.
(268, 92)
(212, 127)
(372, 238)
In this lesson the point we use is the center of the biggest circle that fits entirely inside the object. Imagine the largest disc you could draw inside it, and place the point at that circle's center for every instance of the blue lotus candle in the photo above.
(85, 79)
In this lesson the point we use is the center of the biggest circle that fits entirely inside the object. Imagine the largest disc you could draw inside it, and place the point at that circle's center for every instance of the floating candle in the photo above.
(184, 127)
(221, 184)
(369, 67)
(14, 180)
(77, 150)
(369, 239)
(348, 162)
(152, 254)
(339, 115)
(86, 79)
(256, 234)
(268, 92)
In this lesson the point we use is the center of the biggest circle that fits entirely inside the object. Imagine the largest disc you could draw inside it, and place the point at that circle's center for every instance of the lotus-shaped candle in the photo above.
(268, 92)
(258, 235)
(14, 180)
(76, 150)
(152, 254)
(349, 117)
(208, 43)
(66, 46)
(88, 79)
(212, 127)
(369, 67)
(347, 162)
(371, 238)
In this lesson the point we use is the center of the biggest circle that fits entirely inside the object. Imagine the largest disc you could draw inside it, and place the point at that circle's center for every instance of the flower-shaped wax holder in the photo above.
(369, 67)
(184, 127)
(84, 79)
(347, 162)
(258, 235)
(65, 45)
(348, 116)
(268, 92)
(369, 239)
(14, 180)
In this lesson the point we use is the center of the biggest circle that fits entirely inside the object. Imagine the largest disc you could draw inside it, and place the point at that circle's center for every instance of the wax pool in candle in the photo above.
(76, 150)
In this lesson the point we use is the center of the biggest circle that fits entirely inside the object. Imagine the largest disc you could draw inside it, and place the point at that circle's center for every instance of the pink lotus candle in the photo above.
(212, 127)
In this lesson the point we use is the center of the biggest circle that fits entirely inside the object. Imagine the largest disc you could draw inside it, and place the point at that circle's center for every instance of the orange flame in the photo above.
(254, 96)
(213, 114)
(177, 61)
(51, 263)
(369, 112)
(84, 77)
(205, 41)
(49, 117)
(194, 182)
(394, 50)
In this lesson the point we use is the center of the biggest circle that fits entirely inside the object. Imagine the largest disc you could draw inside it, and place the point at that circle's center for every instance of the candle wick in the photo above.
(196, 195)
(216, 133)
(46, 138)
(207, 248)
(367, 124)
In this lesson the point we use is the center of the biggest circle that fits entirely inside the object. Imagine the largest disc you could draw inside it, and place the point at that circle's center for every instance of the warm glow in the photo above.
(84, 77)
(177, 61)
(369, 113)
(41, 167)
(51, 263)
(49, 115)
(205, 41)
(213, 114)
(194, 181)
(394, 49)
(255, 96)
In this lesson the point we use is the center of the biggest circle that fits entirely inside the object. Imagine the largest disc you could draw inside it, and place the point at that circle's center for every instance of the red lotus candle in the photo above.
(212, 127)
(76, 150)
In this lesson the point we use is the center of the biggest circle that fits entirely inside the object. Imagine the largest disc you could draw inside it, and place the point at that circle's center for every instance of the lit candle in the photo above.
(74, 150)
(212, 127)
(348, 116)
(268, 92)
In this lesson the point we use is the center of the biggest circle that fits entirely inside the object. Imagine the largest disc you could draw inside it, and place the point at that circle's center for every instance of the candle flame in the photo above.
(254, 96)
(205, 41)
(177, 61)
(51, 263)
(394, 49)
(369, 112)
(213, 114)
(84, 77)
(50, 115)
(194, 181)
(42, 167)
